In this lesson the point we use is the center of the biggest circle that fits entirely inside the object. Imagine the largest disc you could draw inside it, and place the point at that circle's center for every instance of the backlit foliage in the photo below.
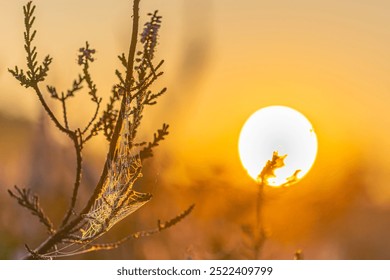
(257, 233)
(113, 198)
(269, 170)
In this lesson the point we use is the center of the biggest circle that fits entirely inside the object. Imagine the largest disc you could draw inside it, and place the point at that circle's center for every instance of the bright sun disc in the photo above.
(278, 129)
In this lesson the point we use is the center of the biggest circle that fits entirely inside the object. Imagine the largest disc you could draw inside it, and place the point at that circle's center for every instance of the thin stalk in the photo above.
(78, 145)
(63, 101)
(259, 229)
(118, 126)
(51, 114)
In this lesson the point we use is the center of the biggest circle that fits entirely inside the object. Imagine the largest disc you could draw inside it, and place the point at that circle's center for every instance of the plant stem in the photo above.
(78, 145)
(259, 230)
(67, 227)
(51, 114)
(119, 122)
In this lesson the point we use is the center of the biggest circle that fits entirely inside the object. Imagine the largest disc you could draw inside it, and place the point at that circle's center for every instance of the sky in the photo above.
(224, 60)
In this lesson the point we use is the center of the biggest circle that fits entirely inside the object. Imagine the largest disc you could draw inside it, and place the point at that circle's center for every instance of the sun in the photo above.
(281, 130)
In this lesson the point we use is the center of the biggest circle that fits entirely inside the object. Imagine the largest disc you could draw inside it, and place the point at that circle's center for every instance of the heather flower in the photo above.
(149, 36)
(86, 54)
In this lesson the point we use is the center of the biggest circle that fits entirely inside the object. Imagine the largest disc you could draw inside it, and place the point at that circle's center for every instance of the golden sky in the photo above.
(327, 59)
(225, 59)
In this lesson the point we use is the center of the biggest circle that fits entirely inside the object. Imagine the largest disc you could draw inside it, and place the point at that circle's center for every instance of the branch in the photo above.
(51, 114)
(83, 59)
(78, 145)
(68, 227)
(147, 151)
(34, 74)
(151, 98)
(31, 202)
(118, 126)
(113, 245)
(34, 255)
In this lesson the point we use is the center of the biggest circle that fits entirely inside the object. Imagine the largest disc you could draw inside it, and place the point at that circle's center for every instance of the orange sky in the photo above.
(225, 59)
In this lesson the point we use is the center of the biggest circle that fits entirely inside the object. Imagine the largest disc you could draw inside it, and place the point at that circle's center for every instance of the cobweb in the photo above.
(117, 199)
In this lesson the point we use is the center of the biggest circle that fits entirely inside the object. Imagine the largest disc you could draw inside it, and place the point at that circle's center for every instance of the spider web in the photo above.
(118, 199)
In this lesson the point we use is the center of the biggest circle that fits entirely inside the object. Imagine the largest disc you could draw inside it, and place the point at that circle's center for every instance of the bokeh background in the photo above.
(225, 59)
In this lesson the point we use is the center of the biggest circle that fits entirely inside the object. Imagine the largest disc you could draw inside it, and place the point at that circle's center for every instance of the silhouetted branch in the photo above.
(31, 202)
(157, 137)
(34, 255)
(78, 145)
(113, 198)
(145, 233)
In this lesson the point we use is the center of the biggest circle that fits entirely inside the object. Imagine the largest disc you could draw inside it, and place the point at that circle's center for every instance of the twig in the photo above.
(31, 202)
(145, 233)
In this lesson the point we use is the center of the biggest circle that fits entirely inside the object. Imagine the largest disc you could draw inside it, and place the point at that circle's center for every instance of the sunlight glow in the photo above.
(278, 129)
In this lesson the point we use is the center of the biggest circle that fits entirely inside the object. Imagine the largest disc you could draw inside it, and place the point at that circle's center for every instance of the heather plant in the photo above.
(114, 197)
(257, 233)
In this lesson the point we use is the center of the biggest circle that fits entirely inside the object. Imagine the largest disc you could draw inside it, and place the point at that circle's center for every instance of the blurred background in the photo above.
(225, 59)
